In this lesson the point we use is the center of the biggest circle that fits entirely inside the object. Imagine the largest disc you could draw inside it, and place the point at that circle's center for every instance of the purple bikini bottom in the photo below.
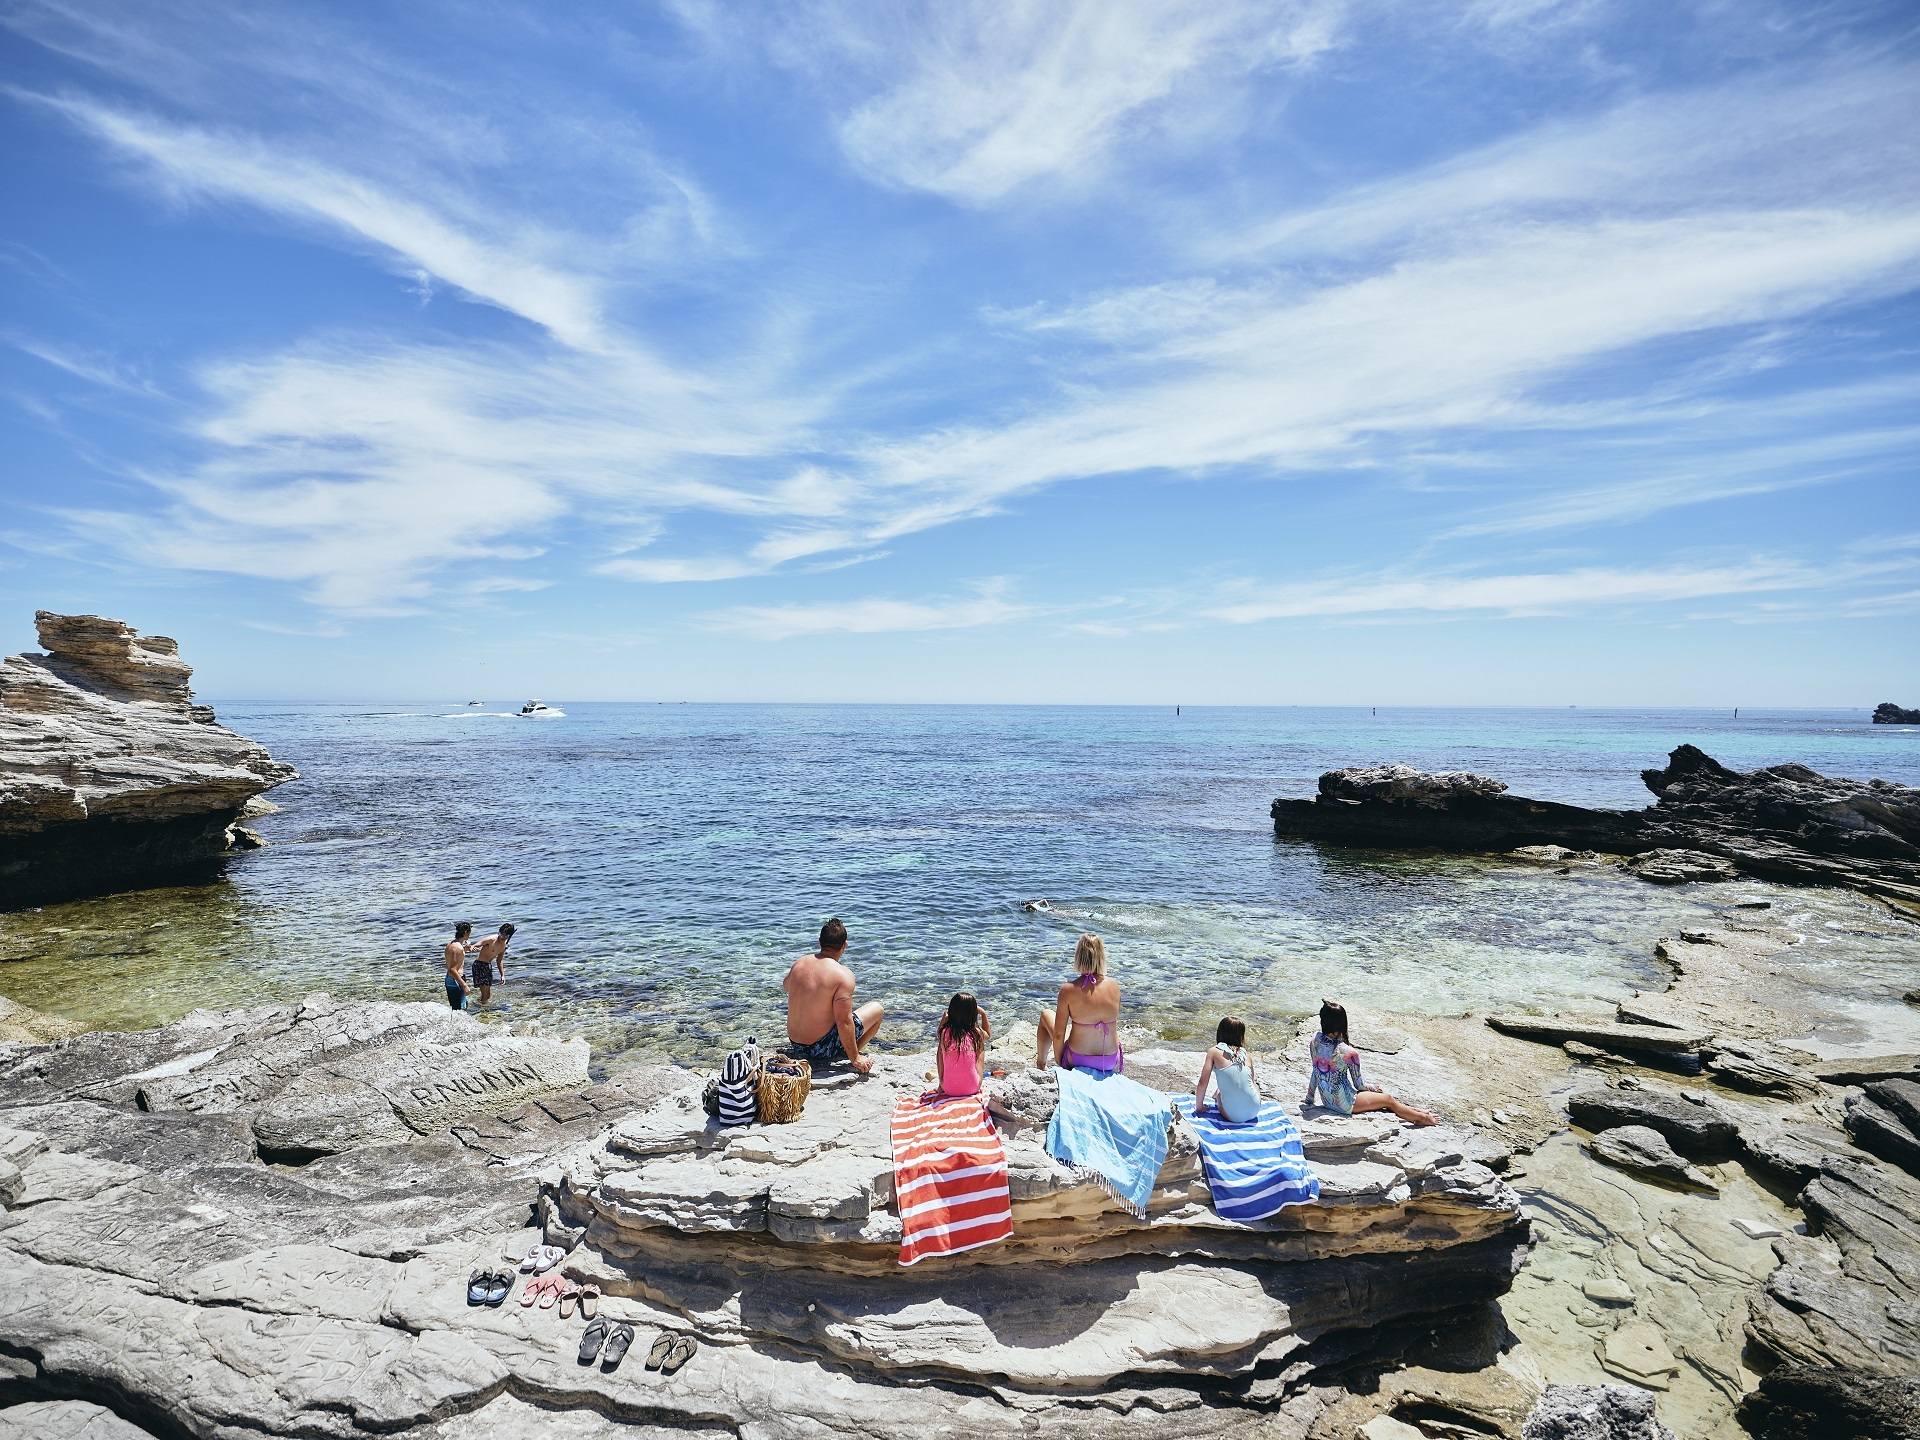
(1074, 1060)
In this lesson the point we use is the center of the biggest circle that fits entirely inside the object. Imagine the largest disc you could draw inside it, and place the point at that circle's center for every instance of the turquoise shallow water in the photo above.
(663, 862)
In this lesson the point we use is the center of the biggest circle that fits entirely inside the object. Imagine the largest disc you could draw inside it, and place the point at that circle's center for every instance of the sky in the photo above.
(1310, 352)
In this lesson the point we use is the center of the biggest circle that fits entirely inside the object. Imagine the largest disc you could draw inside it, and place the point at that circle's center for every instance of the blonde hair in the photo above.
(1090, 956)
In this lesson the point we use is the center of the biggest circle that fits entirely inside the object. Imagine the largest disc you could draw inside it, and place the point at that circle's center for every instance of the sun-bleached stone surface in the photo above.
(110, 774)
(785, 1235)
(165, 1259)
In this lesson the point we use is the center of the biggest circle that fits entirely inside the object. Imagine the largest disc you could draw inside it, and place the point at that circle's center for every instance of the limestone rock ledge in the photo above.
(785, 1236)
(161, 1265)
(110, 774)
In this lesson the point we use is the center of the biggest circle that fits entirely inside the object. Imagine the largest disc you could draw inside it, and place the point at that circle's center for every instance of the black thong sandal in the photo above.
(683, 1351)
(662, 1345)
(590, 1340)
(499, 1286)
(617, 1343)
(477, 1286)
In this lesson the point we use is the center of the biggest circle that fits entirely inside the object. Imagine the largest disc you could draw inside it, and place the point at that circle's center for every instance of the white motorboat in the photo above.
(539, 709)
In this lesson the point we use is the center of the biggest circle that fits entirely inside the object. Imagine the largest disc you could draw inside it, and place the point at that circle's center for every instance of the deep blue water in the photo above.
(664, 862)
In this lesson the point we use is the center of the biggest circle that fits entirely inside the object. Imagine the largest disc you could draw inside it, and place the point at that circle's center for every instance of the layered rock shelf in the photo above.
(263, 1222)
(1785, 822)
(110, 775)
(786, 1235)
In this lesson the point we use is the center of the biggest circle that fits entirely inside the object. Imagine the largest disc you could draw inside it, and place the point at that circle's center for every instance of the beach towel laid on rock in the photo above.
(950, 1176)
(1254, 1168)
(1112, 1131)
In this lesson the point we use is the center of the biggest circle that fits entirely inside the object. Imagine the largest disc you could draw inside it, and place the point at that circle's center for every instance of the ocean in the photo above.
(664, 863)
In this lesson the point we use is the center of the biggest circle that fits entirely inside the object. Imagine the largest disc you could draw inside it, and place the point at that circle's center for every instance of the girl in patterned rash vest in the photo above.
(1334, 1079)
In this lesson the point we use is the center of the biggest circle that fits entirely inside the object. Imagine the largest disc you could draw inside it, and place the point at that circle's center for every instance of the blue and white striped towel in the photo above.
(1254, 1168)
(1112, 1131)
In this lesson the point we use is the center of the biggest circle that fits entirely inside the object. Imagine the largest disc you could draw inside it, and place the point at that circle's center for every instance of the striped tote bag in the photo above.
(740, 1084)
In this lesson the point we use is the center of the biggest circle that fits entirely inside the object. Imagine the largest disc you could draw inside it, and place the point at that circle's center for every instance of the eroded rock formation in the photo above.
(159, 1265)
(1785, 822)
(110, 774)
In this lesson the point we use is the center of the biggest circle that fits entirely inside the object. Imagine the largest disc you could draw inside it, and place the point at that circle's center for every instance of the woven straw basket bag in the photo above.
(784, 1084)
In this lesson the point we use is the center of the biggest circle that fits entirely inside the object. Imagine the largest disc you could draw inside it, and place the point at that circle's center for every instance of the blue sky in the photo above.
(1326, 352)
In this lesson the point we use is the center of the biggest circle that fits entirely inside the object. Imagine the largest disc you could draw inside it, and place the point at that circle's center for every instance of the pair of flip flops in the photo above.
(587, 1297)
(489, 1287)
(670, 1352)
(616, 1335)
(542, 1258)
(546, 1290)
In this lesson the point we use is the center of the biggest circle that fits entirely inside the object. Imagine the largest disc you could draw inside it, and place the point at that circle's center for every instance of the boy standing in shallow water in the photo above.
(457, 964)
(492, 962)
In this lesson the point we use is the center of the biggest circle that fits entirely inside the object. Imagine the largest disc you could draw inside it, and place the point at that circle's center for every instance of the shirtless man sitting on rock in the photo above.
(821, 1020)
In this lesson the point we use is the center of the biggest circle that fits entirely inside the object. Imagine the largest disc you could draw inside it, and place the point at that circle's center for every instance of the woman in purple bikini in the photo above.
(1081, 1026)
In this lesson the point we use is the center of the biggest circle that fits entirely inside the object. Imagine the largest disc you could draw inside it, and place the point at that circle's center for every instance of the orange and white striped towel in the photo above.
(950, 1177)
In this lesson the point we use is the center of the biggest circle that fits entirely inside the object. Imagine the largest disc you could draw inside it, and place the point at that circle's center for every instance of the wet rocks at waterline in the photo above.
(110, 775)
(1784, 822)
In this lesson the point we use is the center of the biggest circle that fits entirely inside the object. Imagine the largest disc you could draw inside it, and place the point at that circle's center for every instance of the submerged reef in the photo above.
(111, 776)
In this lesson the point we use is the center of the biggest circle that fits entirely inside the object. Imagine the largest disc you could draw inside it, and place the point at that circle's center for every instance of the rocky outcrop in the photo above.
(1594, 1412)
(110, 774)
(262, 1223)
(711, 1229)
(1885, 1120)
(1843, 1295)
(1785, 822)
(1691, 1123)
(1802, 1402)
(1888, 713)
(1645, 1150)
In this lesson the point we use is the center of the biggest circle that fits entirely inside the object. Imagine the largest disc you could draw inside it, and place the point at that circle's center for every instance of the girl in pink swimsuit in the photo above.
(1088, 989)
(963, 1040)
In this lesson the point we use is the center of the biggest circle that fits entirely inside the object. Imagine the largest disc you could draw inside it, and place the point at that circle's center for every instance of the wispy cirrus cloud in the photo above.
(1453, 306)
(991, 603)
(996, 97)
(1520, 594)
(493, 269)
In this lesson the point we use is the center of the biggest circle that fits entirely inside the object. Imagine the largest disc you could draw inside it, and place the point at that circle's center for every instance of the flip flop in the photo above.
(589, 1301)
(662, 1347)
(499, 1286)
(683, 1351)
(618, 1339)
(477, 1284)
(568, 1294)
(541, 1258)
(549, 1291)
(529, 1293)
(590, 1341)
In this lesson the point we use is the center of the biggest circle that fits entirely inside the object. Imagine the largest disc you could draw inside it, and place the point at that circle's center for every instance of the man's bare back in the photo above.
(821, 1018)
(456, 957)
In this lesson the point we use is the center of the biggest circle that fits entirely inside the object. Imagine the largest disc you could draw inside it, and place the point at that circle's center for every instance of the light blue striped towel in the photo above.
(1112, 1131)
(1254, 1168)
